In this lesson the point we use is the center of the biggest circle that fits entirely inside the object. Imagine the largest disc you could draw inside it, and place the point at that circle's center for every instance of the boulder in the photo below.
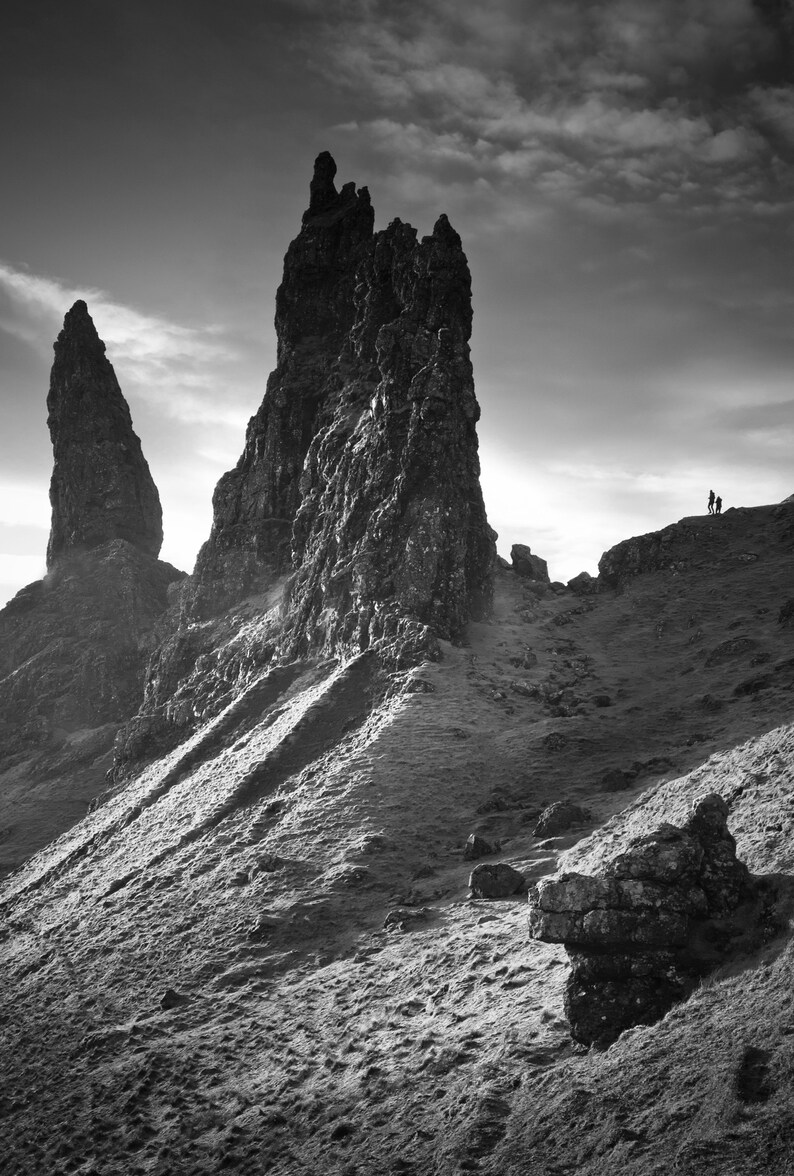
(406, 918)
(532, 567)
(496, 880)
(584, 584)
(664, 912)
(477, 847)
(560, 817)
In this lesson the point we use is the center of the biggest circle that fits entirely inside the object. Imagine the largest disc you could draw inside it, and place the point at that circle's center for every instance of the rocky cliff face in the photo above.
(360, 472)
(101, 488)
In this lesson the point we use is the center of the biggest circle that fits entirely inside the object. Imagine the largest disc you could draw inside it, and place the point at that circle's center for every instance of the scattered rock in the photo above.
(171, 999)
(583, 585)
(405, 918)
(342, 1130)
(525, 660)
(555, 740)
(477, 847)
(496, 880)
(532, 567)
(752, 685)
(559, 817)
(733, 647)
(753, 1080)
(262, 928)
(267, 863)
(617, 779)
(101, 488)
(497, 802)
(670, 908)
(786, 614)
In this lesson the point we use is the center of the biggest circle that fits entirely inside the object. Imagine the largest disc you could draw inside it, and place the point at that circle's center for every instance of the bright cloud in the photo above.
(24, 505)
(173, 365)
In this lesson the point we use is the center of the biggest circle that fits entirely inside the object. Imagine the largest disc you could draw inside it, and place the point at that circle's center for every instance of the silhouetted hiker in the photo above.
(718, 505)
(711, 502)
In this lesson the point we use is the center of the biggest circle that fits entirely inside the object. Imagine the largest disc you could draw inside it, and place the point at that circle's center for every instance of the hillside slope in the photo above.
(198, 975)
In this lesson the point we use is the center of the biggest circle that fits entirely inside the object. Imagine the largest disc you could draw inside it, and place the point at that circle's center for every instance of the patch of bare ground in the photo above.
(204, 975)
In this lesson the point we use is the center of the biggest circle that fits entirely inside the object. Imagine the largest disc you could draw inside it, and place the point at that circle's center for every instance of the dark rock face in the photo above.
(255, 504)
(74, 649)
(360, 473)
(528, 565)
(665, 912)
(101, 488)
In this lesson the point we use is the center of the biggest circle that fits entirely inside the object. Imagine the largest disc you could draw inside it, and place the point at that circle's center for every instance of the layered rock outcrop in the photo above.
(664, 913)
(101, 487)
(360, 474)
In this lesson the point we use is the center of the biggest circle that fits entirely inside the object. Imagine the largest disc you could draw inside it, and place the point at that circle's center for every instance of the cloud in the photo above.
(174, 366)
(18, 569)
(24, 504)
(652, 100)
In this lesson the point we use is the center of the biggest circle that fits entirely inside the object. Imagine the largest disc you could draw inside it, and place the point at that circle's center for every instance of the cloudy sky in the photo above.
(620, 172)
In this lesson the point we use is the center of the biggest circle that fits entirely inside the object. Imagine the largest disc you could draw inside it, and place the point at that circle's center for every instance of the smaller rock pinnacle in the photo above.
(101, 488)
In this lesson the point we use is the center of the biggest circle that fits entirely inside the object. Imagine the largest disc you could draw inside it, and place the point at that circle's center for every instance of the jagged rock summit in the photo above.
(360, 474)
(101, 488)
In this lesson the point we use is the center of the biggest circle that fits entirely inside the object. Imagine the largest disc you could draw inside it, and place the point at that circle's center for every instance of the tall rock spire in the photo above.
(101, 488)
(254, 505)
(360, 473)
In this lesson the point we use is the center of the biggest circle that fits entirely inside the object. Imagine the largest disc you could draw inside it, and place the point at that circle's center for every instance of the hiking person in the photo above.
(718, 505)
(711, 502)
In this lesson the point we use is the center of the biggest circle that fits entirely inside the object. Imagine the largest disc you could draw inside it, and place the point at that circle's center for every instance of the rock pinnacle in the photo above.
(101, 488)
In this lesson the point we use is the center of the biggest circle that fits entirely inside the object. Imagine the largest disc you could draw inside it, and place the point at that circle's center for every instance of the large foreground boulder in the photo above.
(676, 904)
